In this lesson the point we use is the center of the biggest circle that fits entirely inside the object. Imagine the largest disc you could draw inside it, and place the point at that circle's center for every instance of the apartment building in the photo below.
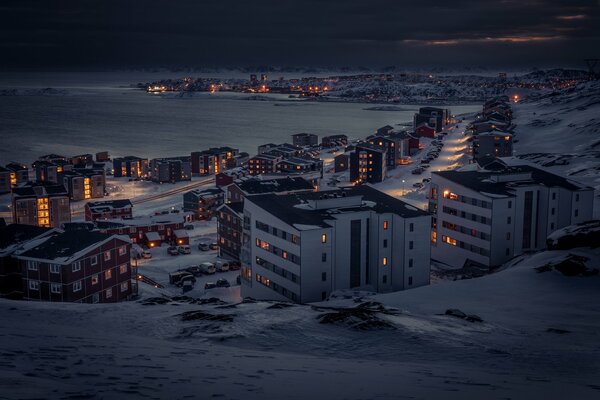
(263, 164)
(334, 141)
(84, 183)
(492, 144)
(486, 216)
(19, 173)
(230, 218)
(41, 204)
(130, 166)
(302, 247)
(174, 169)
(76, 266)
(203, 203)
(305, 139)
(212, 161)
(368, 163)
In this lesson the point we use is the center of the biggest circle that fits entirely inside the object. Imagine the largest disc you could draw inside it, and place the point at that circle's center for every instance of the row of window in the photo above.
(467, 246)
(76, 266)
(277, 288)
(286, 255)
(278, 270)
(278, 232)
(466, 215)
(56, 288)
(469, 200)
(466, 231)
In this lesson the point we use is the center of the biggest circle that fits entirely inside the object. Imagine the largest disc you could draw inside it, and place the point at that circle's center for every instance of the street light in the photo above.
(403, 181)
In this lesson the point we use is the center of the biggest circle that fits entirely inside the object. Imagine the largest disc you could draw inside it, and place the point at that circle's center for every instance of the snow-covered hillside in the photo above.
(538, 339)
(561, 131)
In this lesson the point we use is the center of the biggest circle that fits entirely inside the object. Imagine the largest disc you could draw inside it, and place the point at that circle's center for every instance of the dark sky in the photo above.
(144, 33)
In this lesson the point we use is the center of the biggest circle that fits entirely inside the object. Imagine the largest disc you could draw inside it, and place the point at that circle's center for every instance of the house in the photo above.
(181, 237)
(426, 131)
(46, 171)
(334, 141)
(341, 163)
(303, 247)
(305, 139)
(228, 177)
(203, 202)
(263, 148)
(76, 266)
(494, 144)
(102, 156)
(286, 150)
(240, 160)
(487, 215)
(212, 161)
(82, 159)
(384, 130)
(368, 163)
(432, 116)
(130, 166)
(230, 218)
(174, 169)
(12, 237)
(41, 204)
(110, 209)
(151, 231)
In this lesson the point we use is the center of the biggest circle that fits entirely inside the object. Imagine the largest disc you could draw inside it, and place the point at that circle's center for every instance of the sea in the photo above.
(72, 113)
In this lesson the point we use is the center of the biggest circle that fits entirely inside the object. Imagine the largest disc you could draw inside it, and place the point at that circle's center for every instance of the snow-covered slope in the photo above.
(538, 339)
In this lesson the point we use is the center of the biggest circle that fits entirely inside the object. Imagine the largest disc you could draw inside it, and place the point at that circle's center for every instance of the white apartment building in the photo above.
(487, 216)
(303, 246)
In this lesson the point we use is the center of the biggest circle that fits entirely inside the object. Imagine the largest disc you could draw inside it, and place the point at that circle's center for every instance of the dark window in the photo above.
(507, 251)
(510, 204)
(552, 211)
(553, 196)
(385, 243)
(410, 263)
(323, 257)
(577, 197)
(508, 220)
(324, 276)
(411, 227)
(410, 280)
(411, 245)
(384, 279)
(576, 213)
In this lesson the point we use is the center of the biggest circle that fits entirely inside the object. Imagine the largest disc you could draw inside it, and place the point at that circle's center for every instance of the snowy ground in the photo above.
(538, 340)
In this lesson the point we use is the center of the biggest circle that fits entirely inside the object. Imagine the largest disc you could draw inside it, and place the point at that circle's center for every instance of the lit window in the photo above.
(385, 261)
(323, 238)
(107, 255)
(108, 274)
(95, 279)
(123, 269)
(385, 225)
(122, 250)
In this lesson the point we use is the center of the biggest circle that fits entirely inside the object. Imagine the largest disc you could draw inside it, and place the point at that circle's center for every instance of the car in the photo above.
(235, 265)
(210, 285)
(222, 266)
(203, 246)
(194, 270)
(425, 180)
(172, 250)
(417, 171)
(425, 166)
(214, 246)
(187, 286)
(176, 277)
(418, 185)
(208, 268)
(184, 249)
(189, 227)
(146, 254)
(186, 278)
(223, 283)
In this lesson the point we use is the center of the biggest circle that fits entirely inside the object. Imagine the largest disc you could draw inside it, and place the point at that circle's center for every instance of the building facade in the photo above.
(203, 203)
(368, 163)
(176, 169)
(305, 139)
(111, 209)
(302, 247)
(130, 166)
(45, 205)
(485, 217)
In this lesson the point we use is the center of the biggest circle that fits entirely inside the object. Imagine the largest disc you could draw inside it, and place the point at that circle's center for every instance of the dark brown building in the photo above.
(41, 204)
(230, 230)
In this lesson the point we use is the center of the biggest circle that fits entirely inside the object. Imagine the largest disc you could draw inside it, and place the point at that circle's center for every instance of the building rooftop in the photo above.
(39, 189)
(311, 210)
(108, 205)
(501, 179)
(17, 233)
(259, 186)
(63, 246)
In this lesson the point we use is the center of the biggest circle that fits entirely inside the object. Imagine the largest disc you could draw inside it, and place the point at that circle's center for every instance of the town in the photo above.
(296, 222)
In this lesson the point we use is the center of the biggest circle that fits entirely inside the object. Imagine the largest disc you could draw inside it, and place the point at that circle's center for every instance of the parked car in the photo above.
(172, 250)
(425, 180)
(146, 254)
(214, 246)
(210, 285)
(175, 277)
(187, 286)
(425, 166)
(223, 283)
(418, 185)
(194, 270)
(208, 268)
(417, 171)
(235, 265)
(186, 278)
(184, 249)
(203, 246)
(222, 266)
